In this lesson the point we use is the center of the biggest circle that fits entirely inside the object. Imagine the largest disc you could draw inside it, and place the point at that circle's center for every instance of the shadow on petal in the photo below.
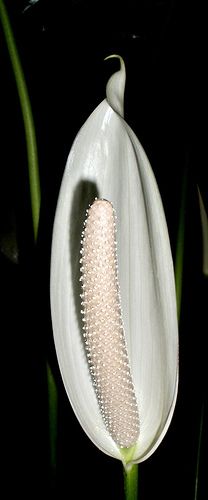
(84, 195)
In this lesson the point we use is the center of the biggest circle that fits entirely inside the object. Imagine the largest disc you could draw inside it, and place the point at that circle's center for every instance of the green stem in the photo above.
(52, 408)
(131, 482)
(199, 452)
(204, 227)
(30, 135)
(179, 260)
(35, 194)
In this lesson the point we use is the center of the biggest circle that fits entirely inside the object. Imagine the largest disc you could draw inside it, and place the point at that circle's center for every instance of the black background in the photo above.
(62, 46)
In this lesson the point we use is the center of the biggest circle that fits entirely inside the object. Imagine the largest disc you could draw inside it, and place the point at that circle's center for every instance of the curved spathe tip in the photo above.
(116, 86)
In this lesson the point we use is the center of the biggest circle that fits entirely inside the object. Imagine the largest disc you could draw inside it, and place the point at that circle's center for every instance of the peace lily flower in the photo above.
(108, 162)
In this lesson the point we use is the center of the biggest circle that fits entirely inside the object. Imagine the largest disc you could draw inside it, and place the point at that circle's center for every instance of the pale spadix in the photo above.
(108, 162)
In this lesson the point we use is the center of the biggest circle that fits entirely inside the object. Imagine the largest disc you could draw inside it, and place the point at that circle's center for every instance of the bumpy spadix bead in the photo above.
(103, 326)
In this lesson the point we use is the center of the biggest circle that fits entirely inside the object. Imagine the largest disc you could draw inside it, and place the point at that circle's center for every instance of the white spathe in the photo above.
(107, 160)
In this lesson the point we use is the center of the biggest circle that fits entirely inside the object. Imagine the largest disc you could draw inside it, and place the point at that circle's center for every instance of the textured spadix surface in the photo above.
(103, 326)
(107, 160)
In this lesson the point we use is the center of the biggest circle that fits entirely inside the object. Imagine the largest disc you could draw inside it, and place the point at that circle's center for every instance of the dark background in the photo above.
(62, 46)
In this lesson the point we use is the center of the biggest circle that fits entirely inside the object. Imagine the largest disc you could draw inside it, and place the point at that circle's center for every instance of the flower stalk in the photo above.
(131, 482)
(30, 135)
(35, 193)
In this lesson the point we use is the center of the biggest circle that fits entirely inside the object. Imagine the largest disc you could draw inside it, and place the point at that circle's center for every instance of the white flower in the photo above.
(107, 161)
